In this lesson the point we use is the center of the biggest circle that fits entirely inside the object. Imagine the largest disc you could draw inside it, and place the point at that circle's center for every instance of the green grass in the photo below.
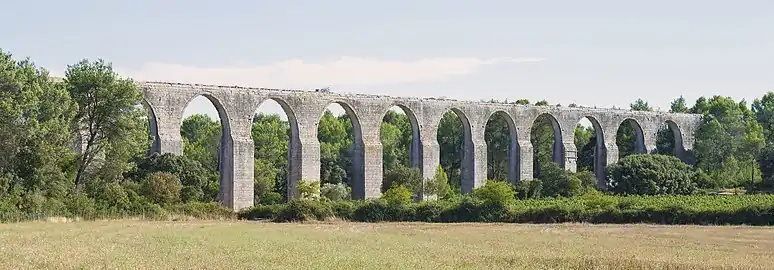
(129, 244)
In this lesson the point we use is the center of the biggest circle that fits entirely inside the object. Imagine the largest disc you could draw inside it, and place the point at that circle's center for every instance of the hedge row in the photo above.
(691, 209)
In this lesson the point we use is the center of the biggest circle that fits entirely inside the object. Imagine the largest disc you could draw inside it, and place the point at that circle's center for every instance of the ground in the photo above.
(130, 244)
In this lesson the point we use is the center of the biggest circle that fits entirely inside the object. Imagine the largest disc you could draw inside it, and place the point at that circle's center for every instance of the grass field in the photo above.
(255, 245)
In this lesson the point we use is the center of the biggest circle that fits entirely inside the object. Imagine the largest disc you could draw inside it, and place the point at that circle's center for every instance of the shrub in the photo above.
(529, 189)
(651, 175)
(397, 195)
(559, 182)
(403, 175)
(335, 192)
(270, 198)
(309, 189)
(304, 210)
(190, 172)
(495, 192)
(161, 188)
(439, 185)
(766, 163)
(260, 212)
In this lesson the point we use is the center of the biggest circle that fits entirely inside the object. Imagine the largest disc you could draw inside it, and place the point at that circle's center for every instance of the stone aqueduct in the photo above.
(237, 105)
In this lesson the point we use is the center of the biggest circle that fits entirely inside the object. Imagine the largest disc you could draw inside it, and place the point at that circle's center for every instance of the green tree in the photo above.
(35, 114)
(651, 175)
(107, 117)
(763, 108)
(450, 135)
(497, 136)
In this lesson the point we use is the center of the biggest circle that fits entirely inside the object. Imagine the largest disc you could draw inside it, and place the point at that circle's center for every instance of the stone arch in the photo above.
(557, 152)
(599, 149)
(513, 149)
(467, 149)
(152, 127)
(639, 137)
(415, 150)
(225, 162)
(358, 153)
(677, 135)
(294, 165)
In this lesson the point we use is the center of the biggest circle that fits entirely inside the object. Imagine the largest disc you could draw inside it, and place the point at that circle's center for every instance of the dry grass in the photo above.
(134, 244)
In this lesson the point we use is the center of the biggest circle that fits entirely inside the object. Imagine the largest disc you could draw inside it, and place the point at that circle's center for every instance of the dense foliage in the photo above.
(591, 208)
(78, 147)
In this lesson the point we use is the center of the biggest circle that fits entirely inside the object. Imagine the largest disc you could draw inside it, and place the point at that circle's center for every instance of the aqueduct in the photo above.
(237, 105)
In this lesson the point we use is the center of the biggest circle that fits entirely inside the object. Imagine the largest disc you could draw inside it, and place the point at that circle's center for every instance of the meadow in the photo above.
(230, 244)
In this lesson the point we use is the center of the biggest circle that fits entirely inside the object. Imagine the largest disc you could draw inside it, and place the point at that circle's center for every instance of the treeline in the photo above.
(42, 174)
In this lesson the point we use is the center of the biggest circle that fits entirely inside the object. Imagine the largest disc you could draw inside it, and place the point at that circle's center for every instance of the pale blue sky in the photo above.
(594, 53)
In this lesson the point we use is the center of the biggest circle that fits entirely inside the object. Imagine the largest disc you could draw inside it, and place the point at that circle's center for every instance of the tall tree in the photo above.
(34, 115)
(107, 109)
(764, 114)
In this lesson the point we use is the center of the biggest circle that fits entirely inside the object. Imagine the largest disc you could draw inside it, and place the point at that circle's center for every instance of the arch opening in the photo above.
(591, 151)
(151, 127)
(401, 148)
(274, 129)
(206, 138)
(547, 147)
(669, 141)
(453, 134)
(341, 153)
(502, 148)
(630, 139)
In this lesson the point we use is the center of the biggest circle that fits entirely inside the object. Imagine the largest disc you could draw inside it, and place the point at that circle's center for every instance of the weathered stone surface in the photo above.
(237, 105)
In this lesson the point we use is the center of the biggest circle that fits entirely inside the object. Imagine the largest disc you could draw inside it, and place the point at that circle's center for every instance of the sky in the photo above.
(592, 53)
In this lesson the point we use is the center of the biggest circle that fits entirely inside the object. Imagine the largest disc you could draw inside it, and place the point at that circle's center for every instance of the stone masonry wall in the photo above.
(237, 105)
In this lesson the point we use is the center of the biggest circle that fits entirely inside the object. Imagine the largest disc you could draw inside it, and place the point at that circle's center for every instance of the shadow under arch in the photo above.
(677, 136)
(557, 148)
(294, 167)
(358, 151)
(599, 150)
(467, 151)
(226, 146)
(639, 138)
(514, 157)
(415, 149)
(153, 127)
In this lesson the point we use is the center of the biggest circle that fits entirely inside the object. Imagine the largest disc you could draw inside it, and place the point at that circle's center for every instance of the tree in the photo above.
(106, 112)
(497, 136)
(406, 176)
(728, 134)
(678, 106)
(450, 135)
(35, 114)
(651, 175)
(763, 108)
(640, 105)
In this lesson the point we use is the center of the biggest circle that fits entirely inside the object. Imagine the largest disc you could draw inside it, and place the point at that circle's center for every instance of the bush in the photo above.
(592, 207)
(403, 175)
(270, 198)
(439, 185)
(651, 175)
(766, 163)
(304, 210)
(495, 192)
(529, 189)
(335, 192)
(161, 188)
(190, 172)
(308, 189)
(258, 212)
(397, 195)
(559, 182)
